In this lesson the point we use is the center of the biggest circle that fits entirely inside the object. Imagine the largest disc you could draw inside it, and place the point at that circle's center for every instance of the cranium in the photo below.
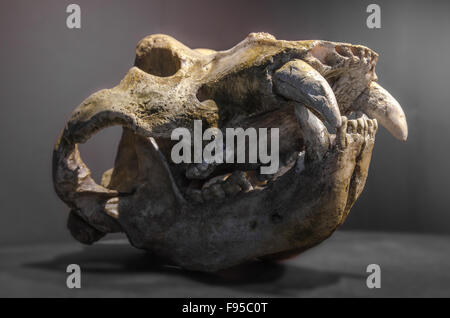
(322, 96)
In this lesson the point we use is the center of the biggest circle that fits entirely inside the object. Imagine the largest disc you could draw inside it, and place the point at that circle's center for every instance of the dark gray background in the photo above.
(47, 70)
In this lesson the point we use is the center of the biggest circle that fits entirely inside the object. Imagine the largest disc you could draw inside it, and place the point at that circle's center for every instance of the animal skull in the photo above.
(208, 217)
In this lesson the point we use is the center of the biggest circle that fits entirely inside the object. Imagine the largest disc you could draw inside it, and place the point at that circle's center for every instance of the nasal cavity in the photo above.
(160, 62)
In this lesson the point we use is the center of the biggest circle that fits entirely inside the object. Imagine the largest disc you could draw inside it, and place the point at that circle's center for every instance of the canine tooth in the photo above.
(377, 103)
(314, 132)
(298, 81)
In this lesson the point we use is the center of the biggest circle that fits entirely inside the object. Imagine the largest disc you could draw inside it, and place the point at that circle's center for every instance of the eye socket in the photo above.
(160, 62)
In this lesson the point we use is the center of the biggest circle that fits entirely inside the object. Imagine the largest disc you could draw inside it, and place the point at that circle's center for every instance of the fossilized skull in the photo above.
(209, 216)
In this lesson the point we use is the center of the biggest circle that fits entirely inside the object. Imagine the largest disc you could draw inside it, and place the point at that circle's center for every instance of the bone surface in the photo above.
(320, 95)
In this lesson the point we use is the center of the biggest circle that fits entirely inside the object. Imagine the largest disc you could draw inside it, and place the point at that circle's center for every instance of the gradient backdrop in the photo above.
(47, 70)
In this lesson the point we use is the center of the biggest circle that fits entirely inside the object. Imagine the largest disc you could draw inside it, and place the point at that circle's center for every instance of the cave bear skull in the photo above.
(322, 96)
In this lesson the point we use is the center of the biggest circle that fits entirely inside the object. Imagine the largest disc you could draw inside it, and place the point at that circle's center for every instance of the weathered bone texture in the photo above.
(208, 217)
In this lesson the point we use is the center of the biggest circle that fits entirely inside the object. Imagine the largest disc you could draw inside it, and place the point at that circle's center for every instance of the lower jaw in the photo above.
(299, 210)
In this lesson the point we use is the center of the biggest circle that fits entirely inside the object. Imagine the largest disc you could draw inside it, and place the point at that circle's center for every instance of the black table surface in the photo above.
(411, 266)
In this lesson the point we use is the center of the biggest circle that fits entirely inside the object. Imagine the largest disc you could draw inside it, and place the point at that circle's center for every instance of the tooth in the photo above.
(361, 126)
(112, 207)
(377, 103)
(200, 170)
(314, 132)
(352, 126)
(256, 179)
(366, 125)
(342, 133)
(298, 81)
(239, 178)
(370, 127)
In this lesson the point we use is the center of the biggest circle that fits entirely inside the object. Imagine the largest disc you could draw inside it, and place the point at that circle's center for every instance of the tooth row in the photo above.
(220, 187)
(362, 126)
(351, 54)
(342, 55)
